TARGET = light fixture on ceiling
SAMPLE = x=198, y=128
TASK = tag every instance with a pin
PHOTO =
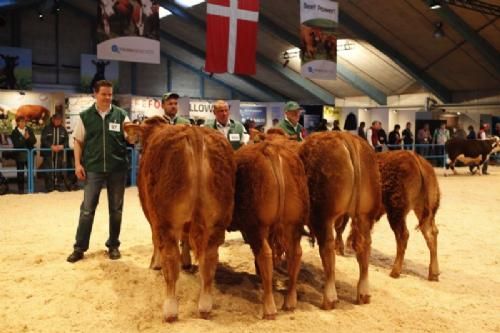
x=164, y=12
x=188, y=3
x=438, y=30
x=434, y=4
x=41, y=17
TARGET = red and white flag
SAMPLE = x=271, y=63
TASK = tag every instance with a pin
x=231, y=36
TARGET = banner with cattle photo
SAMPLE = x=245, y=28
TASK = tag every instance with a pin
x=15, y=68
x=319, y=21
x=93, y=70
x=35, y=108
x=129, y=30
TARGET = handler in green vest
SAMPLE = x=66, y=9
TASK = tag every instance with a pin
x=233, y=130
x=291, y=124
x=100, y=159
x=170, y=105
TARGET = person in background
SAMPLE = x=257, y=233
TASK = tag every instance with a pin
x=22, y=137
x=276, y=122
x=424, y=139
x=395, y=138
x=407, y=137
x=373, y=137
x=460, y=132
x=382, y=136
x=101, y=158
x=472, y=133
x=170, y=106
x=321, y=126
x=336, y=125
x=55, y=138
x=290, y=124
x=497, y=129
x=482, y=134
x=233, y=130
x=439, y=138
x=361, y=130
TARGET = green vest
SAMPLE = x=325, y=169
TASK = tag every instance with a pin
x=179, y=120
x=288, y=128
x=235, y=127
x=105, y=149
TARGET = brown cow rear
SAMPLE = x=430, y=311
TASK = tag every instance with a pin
x=343, y=179
x=271, y=208
x=186, y=185
x=409, y=183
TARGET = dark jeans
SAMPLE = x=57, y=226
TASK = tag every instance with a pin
x=115, y=184
x=20, y=166
x=53, y=161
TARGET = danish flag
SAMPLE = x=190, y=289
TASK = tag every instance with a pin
x=231, y=36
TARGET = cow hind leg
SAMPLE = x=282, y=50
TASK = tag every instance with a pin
x=397, y=220
x=170, y=258
x=339, y=230
x=186, y=255
x=293, y=254
x=265, y=263
x=361, y=242
x=430, y=232
x=208, y=264
x=155, y=258
x=326, y=244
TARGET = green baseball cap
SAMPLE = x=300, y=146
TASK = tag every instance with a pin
x=292, y=106
x=169, y=95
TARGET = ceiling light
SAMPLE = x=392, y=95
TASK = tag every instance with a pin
x=188, y=3
x=434, y=4
x=164, y=12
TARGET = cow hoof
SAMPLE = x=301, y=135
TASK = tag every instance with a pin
x=171, y=319
x=288, y=308
x=270, y=316
x=363, y=299
x=433, y=277
x=205, y=314
x=394, y=274
x=329, y=305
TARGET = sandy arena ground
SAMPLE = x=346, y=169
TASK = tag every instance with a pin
x=41, y=292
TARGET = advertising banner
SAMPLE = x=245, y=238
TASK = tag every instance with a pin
x=319, y=21
x=93, y=70
x=253, y=112
x=15, y=68
x=128, y=30
x=203, y=109
x=36, y=108
x=331, y=113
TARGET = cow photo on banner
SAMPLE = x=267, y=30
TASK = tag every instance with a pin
x=319, y=21
x=93, y=70
x=15, y=68
x=129, y=30
x=231, y=36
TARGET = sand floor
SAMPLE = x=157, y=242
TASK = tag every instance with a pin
x=41, y=292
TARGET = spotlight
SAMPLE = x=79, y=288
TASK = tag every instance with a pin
x=56, y=7
x=40, y=16
x=434, y=4
x=438, y=30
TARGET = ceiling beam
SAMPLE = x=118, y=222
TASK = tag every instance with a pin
x=322, y=94
x=487, y=51
x=347, y=75
x=419, y=75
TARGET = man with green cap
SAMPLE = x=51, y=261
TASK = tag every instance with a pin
x=291, y=124
x=170, y=106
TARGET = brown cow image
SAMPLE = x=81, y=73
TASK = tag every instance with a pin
x=408, y=183
x=186, y=186
x=271, y=208
x=343, y=179
x=32, y=112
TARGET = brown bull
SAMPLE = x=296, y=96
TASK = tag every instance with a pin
x=32, y=112
x=186, y=185
x=408, y=183
x=343, y=180
x=271, y=208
